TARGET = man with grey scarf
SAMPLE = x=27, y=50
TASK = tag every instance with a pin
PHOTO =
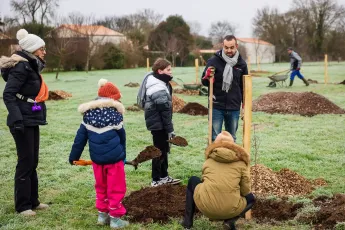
x=228, y=68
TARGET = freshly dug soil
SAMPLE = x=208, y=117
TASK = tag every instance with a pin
x=312, y=81
x=283, y=183
x=332, y=210
x=58, y=95
x=131, y=84
x=186, y=91
x=305, y=104
x=178, y=103
x=156, y=204
x=133, y=108
x=179, y=141
x=259, y=71
x=273, y=210
x=148, y=153
x=194, y=109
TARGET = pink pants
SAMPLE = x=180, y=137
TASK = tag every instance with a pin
x=110, y=188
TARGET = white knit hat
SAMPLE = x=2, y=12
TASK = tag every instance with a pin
x=29, y=42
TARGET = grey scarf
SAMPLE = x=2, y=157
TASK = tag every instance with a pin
x=228, y=74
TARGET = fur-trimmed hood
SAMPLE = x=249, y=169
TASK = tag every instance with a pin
x=227, y=152
x=102, y=103
x=9, y=62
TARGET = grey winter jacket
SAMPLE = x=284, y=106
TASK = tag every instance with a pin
x=158, y=106
x=295, y=60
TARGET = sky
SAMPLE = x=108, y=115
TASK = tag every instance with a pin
x=238, y=12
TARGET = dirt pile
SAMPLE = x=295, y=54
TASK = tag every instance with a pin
x=194, y=109
x=58, y=95
x=186, y=91
x=134, y=108
x=305, y=104
x=285, y=182
x=178, y=103
x=179, y=141
x=157, y=204
x=332, y=210
x=133, y=85
x=266, y=210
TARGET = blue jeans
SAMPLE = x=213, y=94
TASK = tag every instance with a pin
x=230, y=118
x=294, y=73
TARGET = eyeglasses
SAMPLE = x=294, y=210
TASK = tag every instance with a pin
x=43, y=49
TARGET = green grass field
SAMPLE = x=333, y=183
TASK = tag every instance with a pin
x=312, y=146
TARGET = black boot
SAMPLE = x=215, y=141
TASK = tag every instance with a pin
x=187, y=222
x=305, y=81
x=291, y=83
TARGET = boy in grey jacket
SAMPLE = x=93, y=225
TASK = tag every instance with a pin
x=155, y=96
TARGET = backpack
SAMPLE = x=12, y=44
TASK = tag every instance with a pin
x=141, y=97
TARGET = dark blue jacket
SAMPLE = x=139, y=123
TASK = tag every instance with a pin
x=102, y=127
x=233, y=98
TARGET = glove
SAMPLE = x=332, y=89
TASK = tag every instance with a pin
x=298, y=69
x=18, y=127
x=171, y=135
x=71, y=162
x=209, y=73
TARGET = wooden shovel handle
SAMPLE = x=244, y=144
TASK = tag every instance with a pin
x=210, y=110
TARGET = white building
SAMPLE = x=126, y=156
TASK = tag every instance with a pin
x=258, y=50
x=99, y=35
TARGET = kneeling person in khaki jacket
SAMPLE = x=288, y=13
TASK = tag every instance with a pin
x=224, y=192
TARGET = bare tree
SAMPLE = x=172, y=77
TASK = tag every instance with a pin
x=31, y=10
x=195, y=27
x=220, y=29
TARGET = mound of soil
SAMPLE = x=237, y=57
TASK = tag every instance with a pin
x=283, y=183
x=305, y=104
x=186, y=91
x=156, y=204
x=173, y=83
x=273, y=210
x=134, y=108
x=178, y=103
x=332, y=210
x=179, y=141
x=343, y=82
x=58, y=95
x=259, y=71
x=148, y=153
x=194, y=109
x=312, y=81
x=131, y=84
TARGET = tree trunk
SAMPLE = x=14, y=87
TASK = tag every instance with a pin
x=58, y=70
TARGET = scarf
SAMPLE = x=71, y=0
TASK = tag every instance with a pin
x=228, y=71
x=43, y=94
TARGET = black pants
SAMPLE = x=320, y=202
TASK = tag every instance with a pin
x=160, y=164
x=190, y=204
x=25, y=180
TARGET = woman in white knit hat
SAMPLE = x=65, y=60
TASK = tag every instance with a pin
x=24, y=96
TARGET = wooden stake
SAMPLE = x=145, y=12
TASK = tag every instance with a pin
x=326, y=68
x=196, y=70
x=210, y=111
x=247, y=120
x=248, y=65
x=259, y=67
x=148, y=64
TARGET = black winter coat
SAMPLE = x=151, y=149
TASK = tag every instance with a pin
x=24, y=78
x=233, y=98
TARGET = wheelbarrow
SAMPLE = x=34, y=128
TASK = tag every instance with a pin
x=191, y=86
x=279, y=79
